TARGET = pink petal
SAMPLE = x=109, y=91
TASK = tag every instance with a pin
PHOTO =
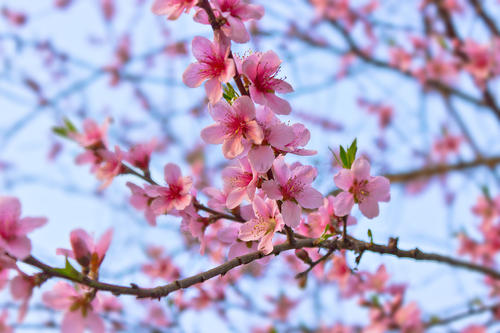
x=232, y=146
x=310, y=198
x=28, y=224
x=228, y=235
x=220, y=111
x=214, y=134
x=261, y=207
x=261, y=158
x=250, y=232
x=266, y=243
x=291, y=213
x=282, y=87
x=202, y=48
x=272, y=189
x=238, y=249
x=280, y=135
x=94, y=323
x=161, y=205
x=192, y=76
x=213, y=89
x=254, y=132
x=73, y=322
x=244, y=106
x=103, y=243
x=277, y=104
x=249, y=66
x=238, y=31
x=369, y=208
x=379, y=188
x=19, y=247
x=229, y=71
x=10, y=209
x=235, y=197
x=343, y=203
x=280, y=170
x=343, y=179
x=269, y=61
x=361, y=169
x=172, y=173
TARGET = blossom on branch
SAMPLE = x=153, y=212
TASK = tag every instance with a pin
x=267, y=221
x=292, y=185
x=213, y=65
x=175, y=196
x=261, y=69
x=235, y=126
x=359, y=187
x=172, y=8
x=14, y=229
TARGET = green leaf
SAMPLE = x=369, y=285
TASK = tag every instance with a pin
x=343, y=157
x=69, y=271
x=70, y=126
x=61, y=131
x=351, y=152
x=229, y=93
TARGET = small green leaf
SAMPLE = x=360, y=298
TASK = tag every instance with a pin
x=229, y=93
x=351, y=152
x=61, y=131
x=370, y=235
x=343, y=157
x=70, y=126
x=69, y=271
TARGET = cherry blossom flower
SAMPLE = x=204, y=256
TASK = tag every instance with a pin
x=13, y=229
x=85, y=251
x=266, y=222
x=233, y=13
x=93, y=136
x=447, y=145
x=21, y=289
x=172, y=8
x=213, y=65
x=359, y=187
x=241, y=182
x=139, y=155
x=141, y=201
x=325, y=215
x=261, y=69
x=235, y=126
x=78, y=307
x=110, y=166
x=162, y=266
x=175, y=196
x=292, y=184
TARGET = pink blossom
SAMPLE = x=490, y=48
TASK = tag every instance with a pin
x=84, y=250
x=446, y=145
x=21, y=288
x=241, y=182
x=140, y=154
x=16, y=18
x=359, y=187
x=141, y=201
x=172, y=8
x=13, y=229
x=162, y=266
x=217, y=197
x=235, y=126
x=261, y=69
x=213, y=65
x=400, y=58
x=233, y=13
x=192, y=223
x=110, y=166
x=93, y=136
x=480, y=60
x=474, y=329
x=408, y=318
x=266, y=222
x=175, y=196
x=78, y=306
x=292, y=185
x=325, y=215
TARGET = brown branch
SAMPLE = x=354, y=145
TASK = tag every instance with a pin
x=471, y=312
x=353, y=244
x=441, y=169
x=488, y=21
